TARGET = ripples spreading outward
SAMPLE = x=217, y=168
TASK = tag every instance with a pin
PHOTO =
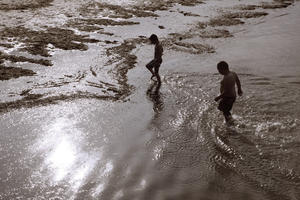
x=257, y=155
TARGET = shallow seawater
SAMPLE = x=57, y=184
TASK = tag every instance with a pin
x=164, y=141
x=251, y=159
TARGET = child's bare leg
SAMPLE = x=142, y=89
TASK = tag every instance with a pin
x=228, y=117
x=149, y=67
x=157, y=74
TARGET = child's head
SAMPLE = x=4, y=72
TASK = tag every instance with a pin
x=153, y=38
x=223, y=67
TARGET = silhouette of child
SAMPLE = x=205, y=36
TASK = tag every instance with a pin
x=227, y=90
x=156, y=62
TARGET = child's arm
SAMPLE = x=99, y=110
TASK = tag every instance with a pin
x=221, y=92
x=238, y=83
x=219, y=97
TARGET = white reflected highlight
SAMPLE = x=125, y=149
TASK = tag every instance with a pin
x=61, y=159
x=60, y=142
x=108, y=168
x=98, y=190
x=179, y=120
x=82, y=171
x=65, y=160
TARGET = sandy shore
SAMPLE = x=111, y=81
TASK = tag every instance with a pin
x=83, y=120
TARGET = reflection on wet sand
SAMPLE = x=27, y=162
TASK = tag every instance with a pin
x=154, y=95
x=65, y=159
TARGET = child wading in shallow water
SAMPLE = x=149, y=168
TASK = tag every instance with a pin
x=155, y=63
x=227, y=90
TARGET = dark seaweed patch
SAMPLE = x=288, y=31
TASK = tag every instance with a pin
x=33, y=100
x=91, y=25
x=295, y=82
x=190, y=2
x=180, y=36
x=36, y=41
x=164, y=5
x=15, y=59
x=19, y=5
x=247, y=7
x=215, y=33
x=192, y=48
x=176, y=43
x=189, y=14
x=245, y=15
x=115, y=11
x=230, y=19
x=7, y=73
x=6, y=45
x=125, y=60
x=221, y=21
x=277, y=4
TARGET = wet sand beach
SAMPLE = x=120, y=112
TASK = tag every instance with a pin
x=81, y=119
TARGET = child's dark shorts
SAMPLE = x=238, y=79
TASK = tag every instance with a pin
x=154, y=64
x=226, y=104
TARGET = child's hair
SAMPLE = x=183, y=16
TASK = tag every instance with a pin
x=223, y=66
x=153, y=38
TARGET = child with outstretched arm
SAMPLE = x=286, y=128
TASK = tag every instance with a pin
x=227, y=90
